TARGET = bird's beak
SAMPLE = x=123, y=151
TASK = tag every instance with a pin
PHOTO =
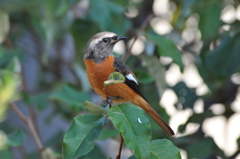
x=122, y=38
x=119, y=39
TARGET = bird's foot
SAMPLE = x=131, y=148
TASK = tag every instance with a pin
x=110, y=99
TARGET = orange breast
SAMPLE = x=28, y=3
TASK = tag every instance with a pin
x=98, y=73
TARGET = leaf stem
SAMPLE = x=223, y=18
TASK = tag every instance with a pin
x=28, y=121
x=120, y=147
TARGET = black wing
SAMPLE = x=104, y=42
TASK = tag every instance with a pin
x=123, y=69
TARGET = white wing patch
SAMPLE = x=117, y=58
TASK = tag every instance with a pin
x=130, y=77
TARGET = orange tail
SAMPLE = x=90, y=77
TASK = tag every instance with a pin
x=153, y=114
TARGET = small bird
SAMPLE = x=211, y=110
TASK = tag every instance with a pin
x=100, y=63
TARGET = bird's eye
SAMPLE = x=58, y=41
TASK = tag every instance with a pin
x=105, y=40
x=115, y=38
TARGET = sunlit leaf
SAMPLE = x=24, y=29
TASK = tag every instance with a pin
x=16, y=138
x=80, y=138
x=135, y=128
x=4, y=140
x=8, y=86
x=114, y=78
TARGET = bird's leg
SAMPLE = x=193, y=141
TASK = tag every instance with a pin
x=110, y=99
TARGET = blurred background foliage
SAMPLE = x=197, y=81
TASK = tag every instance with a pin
x=195, y=83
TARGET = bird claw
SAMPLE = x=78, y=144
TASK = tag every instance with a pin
x=110, y=99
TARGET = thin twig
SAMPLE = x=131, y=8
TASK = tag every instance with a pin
x=142, y=28
x=19, y=113
x=31, y=110
x=120, y=147
x=235, y=154
x=27, y=120
x=33, y=116
x=29, y=123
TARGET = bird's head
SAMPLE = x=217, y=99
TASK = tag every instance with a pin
x=100, y=46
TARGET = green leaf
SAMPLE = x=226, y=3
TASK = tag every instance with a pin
x=40, y=100
x=143, y=77
x=224, y=60
x=95, y=153
x=201, y=149
x=209, y=21
x=56, y=20
x=80, y=26
x=19, y=5
x=16, y=138
x=167, y=48
x=132, y=157
x=6, y=154
x=82, y=75
x=7, y=56
x=157, y=71
x=94, y=109
x=106, y=134
x=164, y=149
x=186, y=96
x=80, y=138
x=110, y=12
x=71, y=97
x=9, y=82
x=135, y=128
x=4, y=23
x=114, y=78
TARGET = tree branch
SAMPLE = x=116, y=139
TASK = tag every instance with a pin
x=29, y=123
x=142, y=28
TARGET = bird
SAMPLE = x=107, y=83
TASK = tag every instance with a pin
x=100, y=63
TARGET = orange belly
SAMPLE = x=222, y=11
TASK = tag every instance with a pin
x=98, y=73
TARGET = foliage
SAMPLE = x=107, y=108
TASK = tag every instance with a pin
x=41, y=71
